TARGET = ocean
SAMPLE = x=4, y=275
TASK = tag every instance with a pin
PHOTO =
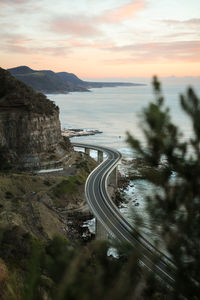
x=114, y=111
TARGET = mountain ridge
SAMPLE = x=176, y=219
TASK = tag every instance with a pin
x=48, y=81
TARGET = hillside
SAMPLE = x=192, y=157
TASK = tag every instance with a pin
x=14, y=93
x=47, y=81
x=44, y=81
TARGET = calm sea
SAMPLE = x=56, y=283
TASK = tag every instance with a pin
x=115, y=111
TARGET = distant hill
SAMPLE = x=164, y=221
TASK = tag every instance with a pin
x=47, y=81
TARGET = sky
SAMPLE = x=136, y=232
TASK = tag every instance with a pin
x=102, y=39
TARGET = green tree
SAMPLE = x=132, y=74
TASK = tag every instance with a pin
x=176, y=204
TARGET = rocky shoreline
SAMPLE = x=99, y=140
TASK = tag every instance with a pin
x=72, y=132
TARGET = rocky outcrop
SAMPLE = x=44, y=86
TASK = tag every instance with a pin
x=30, y=132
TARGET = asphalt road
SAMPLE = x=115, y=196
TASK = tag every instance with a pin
x=115, y=224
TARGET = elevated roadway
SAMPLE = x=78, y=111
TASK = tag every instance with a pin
x=115, y=224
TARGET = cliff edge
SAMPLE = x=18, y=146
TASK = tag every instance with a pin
x=30, y=132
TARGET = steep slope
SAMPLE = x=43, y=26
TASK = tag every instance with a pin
x=30, y=133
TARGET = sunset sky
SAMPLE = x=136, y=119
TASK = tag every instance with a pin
x=99, y=39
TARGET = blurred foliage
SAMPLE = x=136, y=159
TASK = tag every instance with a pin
x=176, y=205
x=58, y=270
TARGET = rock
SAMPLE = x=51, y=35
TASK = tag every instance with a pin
x=30, y=132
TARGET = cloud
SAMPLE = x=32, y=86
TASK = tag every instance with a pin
x=95, y=45
x=122, y=13
x=192, y=22
x=21, y=44
x=76, y=26
x=14, y=38
x=181, y=34
x=15, y=43
x=16, y=1
x=87, y=26
x=184, y=51
x=21, y=6
x=52, y=51
x=182, y=29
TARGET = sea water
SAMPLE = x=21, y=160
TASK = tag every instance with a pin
x=115, y=111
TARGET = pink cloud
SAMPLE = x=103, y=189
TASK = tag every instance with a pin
x=14, y=38
x=78, y=26
x=17, y=43
x=187, y=51
x=122, y=13
x=21, y=49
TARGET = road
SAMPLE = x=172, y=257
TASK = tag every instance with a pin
x=115, y=224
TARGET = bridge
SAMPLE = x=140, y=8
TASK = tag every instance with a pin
x=108, y=215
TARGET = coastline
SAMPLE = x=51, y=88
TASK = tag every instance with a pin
x=79, y=132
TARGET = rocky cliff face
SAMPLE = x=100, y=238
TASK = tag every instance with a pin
x=30, y=133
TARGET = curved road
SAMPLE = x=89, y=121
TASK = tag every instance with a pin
x=109, y=216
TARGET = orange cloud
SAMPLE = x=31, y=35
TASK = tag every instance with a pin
x=125, y=12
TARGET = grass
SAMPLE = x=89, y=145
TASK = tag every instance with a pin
x=68, y=186
x=19, y=184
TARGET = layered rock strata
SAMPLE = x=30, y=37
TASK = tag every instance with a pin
x=30, y=132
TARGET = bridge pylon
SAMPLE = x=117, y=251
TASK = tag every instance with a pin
x=100, y=232
x=87, y=151
x=100, y=156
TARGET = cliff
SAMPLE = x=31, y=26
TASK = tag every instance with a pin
x=48, y=81
x=30, y=133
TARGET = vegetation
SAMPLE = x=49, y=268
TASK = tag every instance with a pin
x=68, y=186
x=47, y=81
x=14, y=93
x=4, y=164
x=176, y=205
x=58, y=270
